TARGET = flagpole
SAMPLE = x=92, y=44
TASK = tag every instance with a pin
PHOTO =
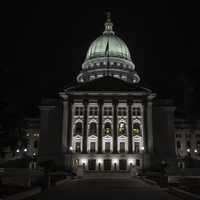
x=108, y=63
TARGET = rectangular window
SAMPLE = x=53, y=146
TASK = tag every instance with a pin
x=107, y=147
x=78, y=111
x=198, y=144
x=78, y=147
x=188, y=144
x=107, y=111
x=122, y=111
x=92, y=147
x=136, y=111
x=93, y=111
x=178, y=145
x=92, y=164
x=188, y=135
x=122, y=147
x=137, y=162
x=178, y=135
x=137, y=147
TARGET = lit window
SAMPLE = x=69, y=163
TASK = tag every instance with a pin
x=122, y=128
x=107, y=128
x=136, y=129
x=78, y=147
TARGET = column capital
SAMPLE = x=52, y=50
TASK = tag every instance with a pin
x=151, y=96
x=64, y=95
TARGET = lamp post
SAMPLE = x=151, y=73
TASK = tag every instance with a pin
x=188, y=151
x=70, y=152
x=142, y=149
x=188, y=157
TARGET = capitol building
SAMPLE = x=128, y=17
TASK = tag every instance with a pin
x=108, y=121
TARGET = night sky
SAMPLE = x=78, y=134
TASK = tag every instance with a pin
x=43, y=45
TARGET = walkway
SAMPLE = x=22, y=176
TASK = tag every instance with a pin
x=105, y=189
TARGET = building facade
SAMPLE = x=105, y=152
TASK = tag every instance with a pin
x=32, y=129
x=108, y=121
x=187, y=138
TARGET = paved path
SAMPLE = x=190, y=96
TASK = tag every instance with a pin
x=105, y=189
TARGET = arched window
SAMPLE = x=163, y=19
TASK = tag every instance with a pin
x=136, y=129
x=122, y=128
x=107, y=128
x=93, y=128
x=78, y=128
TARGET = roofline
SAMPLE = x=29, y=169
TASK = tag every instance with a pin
x=110, y=93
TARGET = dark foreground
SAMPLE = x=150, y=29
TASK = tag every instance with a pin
x=104, y=188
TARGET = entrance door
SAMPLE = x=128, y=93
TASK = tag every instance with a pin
x=122, y=164
x=107, y=164
x=92, y=164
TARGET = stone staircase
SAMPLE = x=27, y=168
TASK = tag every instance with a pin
x=105, y=174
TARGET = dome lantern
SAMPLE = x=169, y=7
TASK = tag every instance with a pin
x=108, y=25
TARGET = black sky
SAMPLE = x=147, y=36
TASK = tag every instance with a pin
x=44, y=43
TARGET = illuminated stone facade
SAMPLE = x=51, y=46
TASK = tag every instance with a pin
x=105, y=122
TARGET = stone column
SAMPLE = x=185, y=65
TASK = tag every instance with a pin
x=69, y=127
x=100, y=127
x=130, y=143
x=149, y=123
x=85, y=126
x=115, y=131
x=64, y=121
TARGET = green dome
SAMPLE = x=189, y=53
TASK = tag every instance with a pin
x=108, y=45
x=108, y=55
